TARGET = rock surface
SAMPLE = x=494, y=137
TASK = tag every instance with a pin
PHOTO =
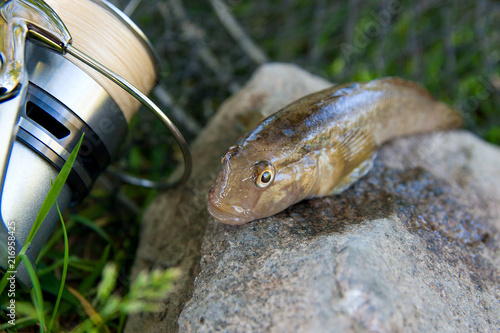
x=413, y=246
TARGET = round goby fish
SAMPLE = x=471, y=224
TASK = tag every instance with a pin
x=319, y=145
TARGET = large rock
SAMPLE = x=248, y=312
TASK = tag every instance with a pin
x=413, y=246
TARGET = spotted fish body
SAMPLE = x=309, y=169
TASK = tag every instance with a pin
x=319, y=145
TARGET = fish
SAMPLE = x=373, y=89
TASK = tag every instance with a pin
x=320, y=145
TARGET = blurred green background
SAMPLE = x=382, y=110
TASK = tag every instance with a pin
x=450, y=47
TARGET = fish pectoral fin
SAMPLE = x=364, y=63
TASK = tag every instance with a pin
x=358, y=150
x=355, y=146
x=357, y=173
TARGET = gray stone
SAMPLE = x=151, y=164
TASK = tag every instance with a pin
x=413, y=246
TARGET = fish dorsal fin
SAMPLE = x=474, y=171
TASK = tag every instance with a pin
x=338, y=91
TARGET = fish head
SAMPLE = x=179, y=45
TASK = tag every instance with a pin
x=252, y=184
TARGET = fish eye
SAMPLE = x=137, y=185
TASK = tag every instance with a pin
x=266, y=177
x=264, y=174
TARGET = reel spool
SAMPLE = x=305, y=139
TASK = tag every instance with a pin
x=96, y=90
x=108, y=36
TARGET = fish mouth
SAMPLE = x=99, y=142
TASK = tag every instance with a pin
x=223, y=215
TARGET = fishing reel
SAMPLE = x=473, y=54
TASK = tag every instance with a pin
x=54, y=88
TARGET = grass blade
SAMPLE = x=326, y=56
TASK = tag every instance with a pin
x=55, y=239
x=65, y=269
x=91, y=225
x=37, y=290
x=54, y=190
x=93, y=315
x=96, y=272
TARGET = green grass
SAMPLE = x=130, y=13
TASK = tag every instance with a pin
x=50, y=200
x=107, y=306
